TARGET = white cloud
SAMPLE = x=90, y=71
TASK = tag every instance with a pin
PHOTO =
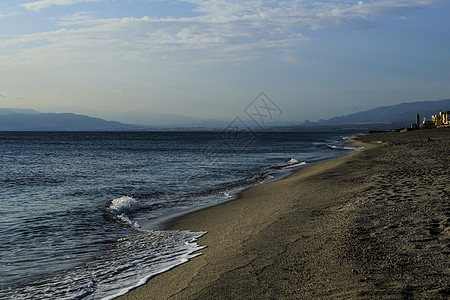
x=38, y=5
x=223, y=31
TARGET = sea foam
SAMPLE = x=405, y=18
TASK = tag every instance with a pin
x=292, y=163
x=344, y=147
x=122, y=206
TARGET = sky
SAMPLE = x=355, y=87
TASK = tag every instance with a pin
x=210, y=59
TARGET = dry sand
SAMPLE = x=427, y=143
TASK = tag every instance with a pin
x=373, y=224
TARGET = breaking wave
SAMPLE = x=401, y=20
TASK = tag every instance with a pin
x=344, y=147
x=292, y=163
x=121, y=207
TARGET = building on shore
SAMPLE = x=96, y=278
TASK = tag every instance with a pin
x=440, y=120
x=417, y=124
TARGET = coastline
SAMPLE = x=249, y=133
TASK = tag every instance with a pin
x=318, y=232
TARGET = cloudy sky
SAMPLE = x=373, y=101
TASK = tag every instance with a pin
x=209, y=59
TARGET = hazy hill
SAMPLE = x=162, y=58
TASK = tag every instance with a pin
x=57, y=122
x=400, y=113
x=10, y=111
x=146, y=117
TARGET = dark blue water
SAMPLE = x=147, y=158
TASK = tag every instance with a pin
x=81, y=214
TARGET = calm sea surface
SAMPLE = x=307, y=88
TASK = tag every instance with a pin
x=82, y=214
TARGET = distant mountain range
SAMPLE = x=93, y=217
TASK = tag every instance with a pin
x=151, y=118
x=400, y=113
x=32, y=121
x=385, y=117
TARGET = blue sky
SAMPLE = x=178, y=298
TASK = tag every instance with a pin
x=209, y=59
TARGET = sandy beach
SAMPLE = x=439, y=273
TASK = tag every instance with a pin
x=372, y=224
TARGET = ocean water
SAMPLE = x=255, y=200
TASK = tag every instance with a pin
x=82, y=214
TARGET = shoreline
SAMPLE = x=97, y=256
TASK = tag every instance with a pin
x=300, y=236
x=170, y=222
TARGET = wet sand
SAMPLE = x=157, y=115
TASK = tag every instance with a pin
x=373, y=224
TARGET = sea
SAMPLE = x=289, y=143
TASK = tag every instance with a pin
x=83, y=215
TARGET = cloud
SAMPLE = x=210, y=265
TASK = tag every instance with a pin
x=78, y=18
x=38, y=5
x=219, y=31
x=1, y=96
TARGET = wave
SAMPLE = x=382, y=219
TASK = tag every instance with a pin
x=128, y=263
x=122, y=206
x=260, y=178
x=292, y=163
x=141, y=257
x=344, y=147
x=227, y=195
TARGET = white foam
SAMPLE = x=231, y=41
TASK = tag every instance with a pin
x=149, y=262
x=293, y=163
x=125, y=219
x=341, y=147
x=227, y=194
x=129, y=263
x=123, y=205
x=119, y=207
